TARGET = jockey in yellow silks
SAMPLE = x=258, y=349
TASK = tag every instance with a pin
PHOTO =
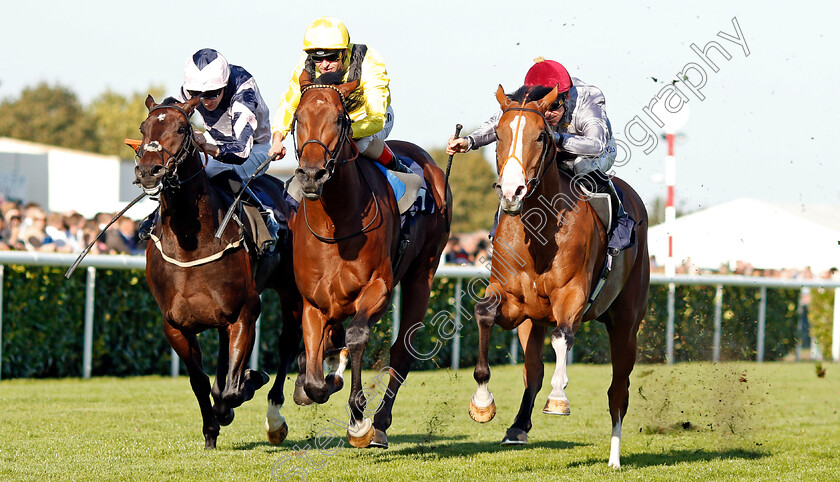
x=327, y=48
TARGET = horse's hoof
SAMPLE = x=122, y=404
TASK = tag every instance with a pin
x=300, y=397
x=482, y=414
x=226, y=419
x=209, y=442
x=334, y=383
x=380, y=439
x=362, y=441
x=257, y=378
x=515, y=436
x=557, y=407
x=277, y=437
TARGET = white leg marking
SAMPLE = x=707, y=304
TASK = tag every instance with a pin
x=560, y=379
x=273, y=419
x=482, y=397
x=359, y=429
x=342, y=363
x=615, y=446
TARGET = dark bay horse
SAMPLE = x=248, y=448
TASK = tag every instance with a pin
x=200, y=282
x=345, y=245
x=544, y=271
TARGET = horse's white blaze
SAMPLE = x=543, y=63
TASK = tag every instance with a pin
x=482, y=397
x=513, y=176
x=161, y=117
x=359, y=429
x=153, y=146
x=615, y=446
x=559, y=379
x=273, y=419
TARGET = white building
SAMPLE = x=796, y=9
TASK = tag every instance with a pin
x=767, y=235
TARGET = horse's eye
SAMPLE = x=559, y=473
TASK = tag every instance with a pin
x=182, y=129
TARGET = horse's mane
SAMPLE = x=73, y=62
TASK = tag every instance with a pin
x=352, y=102
x=529, y=94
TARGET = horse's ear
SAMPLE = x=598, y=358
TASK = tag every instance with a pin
x=544, y=103
x=502, y=98
x=304, y=79
x=150, y=102
x=347, y=88
x=191, y=104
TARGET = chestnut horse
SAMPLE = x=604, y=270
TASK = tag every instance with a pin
x=542, y=275
x=345, y=246
x=200, y=282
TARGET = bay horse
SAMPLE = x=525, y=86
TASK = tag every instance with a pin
x=200, y=282
x=345, y=245
x=543, y=271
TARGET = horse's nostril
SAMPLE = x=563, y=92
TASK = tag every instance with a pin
x=519, y=190
x=320, y=174
x=157, y=170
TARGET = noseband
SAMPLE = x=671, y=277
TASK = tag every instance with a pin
x=330, y=156
x=187, y=147
x=549, y=147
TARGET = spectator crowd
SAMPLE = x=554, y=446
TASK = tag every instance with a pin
x=29, y=227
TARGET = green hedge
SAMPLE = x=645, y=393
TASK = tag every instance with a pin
x=43, y=325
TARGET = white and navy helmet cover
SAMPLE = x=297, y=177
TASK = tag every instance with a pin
x=206, y=70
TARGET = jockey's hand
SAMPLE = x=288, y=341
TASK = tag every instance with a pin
x=457, y=144
x=277, y=149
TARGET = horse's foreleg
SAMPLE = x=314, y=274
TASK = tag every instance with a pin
x=371, y=305
x=531, y=338
x=314, y=328
x=482, y=406
x=224, y=414
x=188, y=350
x=562, y=339
x=275, y=424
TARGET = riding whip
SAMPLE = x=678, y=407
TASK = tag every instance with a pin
x=458, y=128
x=89, y=246
x=229, y=213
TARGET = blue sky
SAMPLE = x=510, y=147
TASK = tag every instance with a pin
x=762, y=131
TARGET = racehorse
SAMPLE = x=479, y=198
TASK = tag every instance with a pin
x=347, y=254
x=200, y=282
x=544, y=270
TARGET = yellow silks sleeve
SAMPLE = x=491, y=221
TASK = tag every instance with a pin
x=370, y=118
x=286, y=110
x=367, y=119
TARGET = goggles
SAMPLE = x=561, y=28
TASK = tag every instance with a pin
x=209, y=95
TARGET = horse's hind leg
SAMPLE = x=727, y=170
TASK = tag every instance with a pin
x=417, y=285
x=482, y=406
x=531, y=338
x=275, y=424
x=622, y=328
x=188, y=350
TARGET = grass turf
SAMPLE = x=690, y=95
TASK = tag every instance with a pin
x=693, y=421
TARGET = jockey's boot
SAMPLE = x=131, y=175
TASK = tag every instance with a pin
x=620, y=235
x=381, y=153
x=269, y=219
x=144, y=231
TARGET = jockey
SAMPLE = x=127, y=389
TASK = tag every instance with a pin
x=582, y=133
x=327, y=48
x=236, y=119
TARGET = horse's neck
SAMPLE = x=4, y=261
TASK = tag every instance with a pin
x=346, y=194
x=555, y=204
x=191, y=201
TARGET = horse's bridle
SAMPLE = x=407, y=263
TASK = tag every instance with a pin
x=332, y=161
x=549, y=147
x=188, y=146
x=330, y=156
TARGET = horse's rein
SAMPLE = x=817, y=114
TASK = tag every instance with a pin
x=546, y=150
x=332, y=162
x=175, y=160
x=330, y=156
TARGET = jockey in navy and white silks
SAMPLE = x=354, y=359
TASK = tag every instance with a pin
x=238, y=130
x=581, y=128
